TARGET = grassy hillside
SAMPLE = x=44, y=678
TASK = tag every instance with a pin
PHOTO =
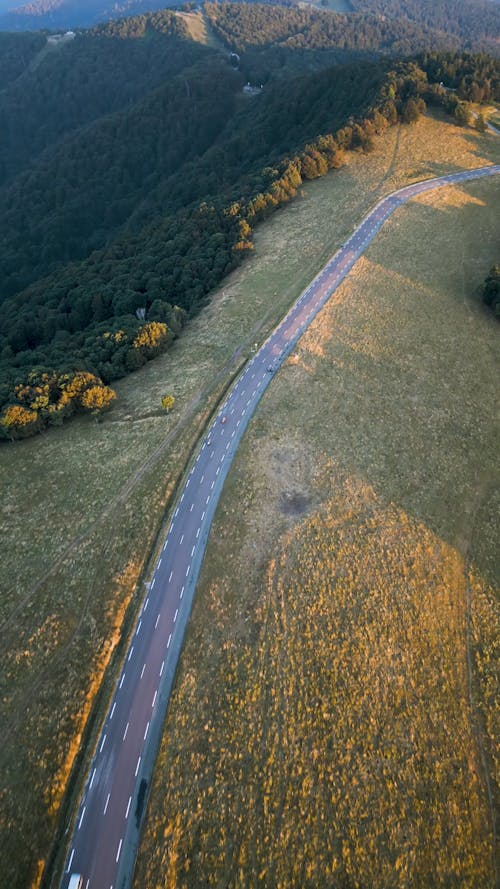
x=325, y=728
x=81, y=507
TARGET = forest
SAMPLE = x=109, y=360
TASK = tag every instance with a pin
x=475, y=22
x=140, y=174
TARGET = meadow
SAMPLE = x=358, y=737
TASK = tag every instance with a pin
x=83, y=505
x=334, y=720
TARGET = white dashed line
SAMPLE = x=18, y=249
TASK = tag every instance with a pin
x=81, y=818
x=159, y=562
x=188, y=570
x=146, y=732
x=70, y=860
x=192, y=551
x=218, y=469
x=169, y=640
x=103, y=743
x=92, y=779
x=157, y=621
x=191, y=507
x=137, y=767
x=146, y=603
x=112, y=711
x=128, y=807
x=203, y=515
x=138, y=626
x=198, y=532
x=125, y=732
x=175, y=615
x=202, y=479
x=170, y=576
x=182, y=592
x=130, y=653
x=154, y=698
x=212, y=485
x=182, y=497
x=142, y=671
x=187, y=483
x=161, y=668
x=182, y=538
x=153, y=582
x=176, y=513
x=119, y=849
x=207, y=500
x=106, y=805
x=121, y=680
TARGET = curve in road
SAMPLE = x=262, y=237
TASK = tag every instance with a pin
x=106, y=831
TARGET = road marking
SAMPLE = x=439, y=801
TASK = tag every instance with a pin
x=81, y=818
x=154, y=698
x=128, y=807
x=218, y=468
x=182, y=497
x=202, y=479
x=137, y=767
x=159, y=562
x=188, y=569
x=170, y=576
x=192, y=551
x=203, y=515
x=191, y=507
x=161, y=668
x=233, y=433
x=176, y=513
x=207, y=500
x=213, y=452
x=169, y=640
x=182, y=538
x=157, y=621
x=146, y=603
x=165, y=545
x=106, y=806
x=227, y=446
x=198, y=532
x=103, y=743
x=238, y=423
x=70, y=860
x=119, y=849
x=182, y=592
x=175, y=615
x=130, y=653
x=153, y=582
x=92, y=779
x=142, y=671
x=145, y=733
x=121, y=680
x=125, y=732
x=212, y=485
x=187, y=483
x=138, y=626
x=112, y=711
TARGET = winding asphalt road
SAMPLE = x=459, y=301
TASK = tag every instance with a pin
x=106, y=831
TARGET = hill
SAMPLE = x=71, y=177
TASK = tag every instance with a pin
x=134, y=169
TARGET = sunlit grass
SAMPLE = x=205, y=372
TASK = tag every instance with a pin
x=325, y=729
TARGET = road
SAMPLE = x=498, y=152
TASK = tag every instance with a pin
x=106, y=831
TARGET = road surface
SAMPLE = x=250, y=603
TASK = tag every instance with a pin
x=106, y=831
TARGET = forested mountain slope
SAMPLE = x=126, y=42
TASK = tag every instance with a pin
x=134, y=168
x=473, y=21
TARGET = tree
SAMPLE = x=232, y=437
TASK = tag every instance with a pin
x=462, y=114
x=480, y=123
x=98, y=399
x=168, y=402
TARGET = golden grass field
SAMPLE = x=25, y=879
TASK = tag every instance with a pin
x=335, y=719
x=82, y=506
